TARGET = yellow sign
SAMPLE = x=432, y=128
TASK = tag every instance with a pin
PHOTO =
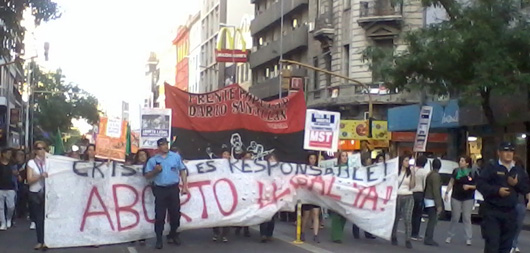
x=230, y=53
x=358, y=130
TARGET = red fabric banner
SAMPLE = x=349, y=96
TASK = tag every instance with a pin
x=234, y=108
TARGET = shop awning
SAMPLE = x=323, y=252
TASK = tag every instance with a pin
x=405, y=118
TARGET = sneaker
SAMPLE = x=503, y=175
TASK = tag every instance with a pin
x=315, y=238
x=415, y=238
x=302, y=237
x=408, y=244
x=512, y=250
x=517, y=250
x=225, y=239
x=448, y=240
x=9, y=224
x=214, y=238
x=32, y=226
x=468, y=242
x=3, y=227
x=38, y=246
x=263, y=239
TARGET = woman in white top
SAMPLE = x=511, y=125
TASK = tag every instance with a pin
x=405, y=201
x=37, y=173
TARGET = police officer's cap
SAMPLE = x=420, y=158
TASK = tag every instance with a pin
x=506, y=146
x=161, y=141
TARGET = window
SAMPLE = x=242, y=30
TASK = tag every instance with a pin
x=260, y=41
x=386, y=46
x=267, y=73
x=275, y=70
x=316, y=81
x=295, y=23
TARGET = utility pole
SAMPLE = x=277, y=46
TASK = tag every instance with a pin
x=281, y=51
x=370, y=102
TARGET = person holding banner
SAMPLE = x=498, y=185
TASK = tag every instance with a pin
x=167, y=169
x=309, y=210
x=222, y=232
x=246, y=232
x=37, y=173
x=405, y=201
x=338, y=221
x=266, y=229
x=140, y=158
x=418, y=194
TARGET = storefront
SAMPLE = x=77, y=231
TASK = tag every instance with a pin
x=354, y=136
x=443, y=137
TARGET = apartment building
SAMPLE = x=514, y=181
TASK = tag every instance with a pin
x=340, y=32
x=216, y=14
x=270, y=39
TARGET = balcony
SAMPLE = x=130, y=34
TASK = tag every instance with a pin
x=293, y=40
x=352, y=94
x=270, y=16
x=380, y=11
x=324, y=30
x=269, y=88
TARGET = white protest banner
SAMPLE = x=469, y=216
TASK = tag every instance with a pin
x=100, y=203
x=156, y=124
x=321, y=130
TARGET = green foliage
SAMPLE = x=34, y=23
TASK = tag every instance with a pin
x=57, y=103
x=11, y=14
x=482, y=49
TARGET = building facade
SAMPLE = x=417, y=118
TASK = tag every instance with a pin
x=216, y=14
x=182, y=44
x=270, y=39
x=194, y=54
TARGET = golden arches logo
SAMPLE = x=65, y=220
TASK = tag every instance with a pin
x=230, y=53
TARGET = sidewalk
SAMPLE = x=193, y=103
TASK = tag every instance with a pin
x=526, y=223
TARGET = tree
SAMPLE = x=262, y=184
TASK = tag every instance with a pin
x=57, y=103
x=11, y=15
x=482, y=49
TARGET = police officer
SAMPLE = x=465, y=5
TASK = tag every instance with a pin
x=500, y=182
x=165, y=169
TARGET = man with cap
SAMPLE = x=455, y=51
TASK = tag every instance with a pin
x=166, y=170
x=500, y=182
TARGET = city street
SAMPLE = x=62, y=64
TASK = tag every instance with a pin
x=21, y=239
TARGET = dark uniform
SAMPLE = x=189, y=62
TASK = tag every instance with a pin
x=499, y=215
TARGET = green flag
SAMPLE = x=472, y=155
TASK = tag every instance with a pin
x=58, y=143
x=128, y=143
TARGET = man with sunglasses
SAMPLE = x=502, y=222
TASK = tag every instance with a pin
x=166, y=170
x=500, y=183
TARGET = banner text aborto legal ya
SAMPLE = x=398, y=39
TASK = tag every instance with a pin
x=233, y=119
x=100, y=203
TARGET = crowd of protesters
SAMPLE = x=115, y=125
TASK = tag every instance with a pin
x=22, y=186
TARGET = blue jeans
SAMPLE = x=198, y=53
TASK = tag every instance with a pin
x=521, y=212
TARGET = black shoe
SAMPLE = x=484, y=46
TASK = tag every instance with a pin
x=315, y=238
x=408, y=244
x=247, y=232
x=159, y=244
x=177, y=240
x=431, y=243
x=394, y=241
x=302, y=237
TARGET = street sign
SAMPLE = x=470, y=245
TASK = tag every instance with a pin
x=424, y=124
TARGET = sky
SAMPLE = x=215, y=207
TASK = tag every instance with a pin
x=103, y=45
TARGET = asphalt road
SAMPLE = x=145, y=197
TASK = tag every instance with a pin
x=20, y=239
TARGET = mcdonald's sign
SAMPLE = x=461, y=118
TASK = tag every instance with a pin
x=229, y=53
